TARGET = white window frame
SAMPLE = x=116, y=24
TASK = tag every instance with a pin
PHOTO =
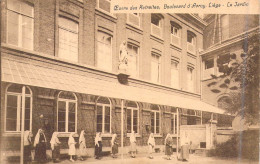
x=103, y=114
x=176, y=85
x=70, y=31
x=67, y=101
x=137, y=58
x=175, y=119
x=138, y=16
x=156, y=111
x=159, y=26
x=20, y=26
x=159, y=67
x=19, y=105
x=208, y=72
x=132, y=117
x=111, y=52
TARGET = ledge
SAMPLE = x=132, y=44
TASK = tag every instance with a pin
x=107, y=14
x=137, y=135
x=134, y=28
x=156, y=38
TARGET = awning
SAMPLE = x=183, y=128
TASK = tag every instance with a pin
x=42, y=76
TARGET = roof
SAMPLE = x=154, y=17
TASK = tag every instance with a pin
x=33, y=74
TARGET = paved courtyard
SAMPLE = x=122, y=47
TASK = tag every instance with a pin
x=160, y=158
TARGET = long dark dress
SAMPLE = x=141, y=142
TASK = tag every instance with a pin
x=115, y=148
x=27, y=156
x=56, y=152
x=168, y=146
x=40, y=150
x=98, y=149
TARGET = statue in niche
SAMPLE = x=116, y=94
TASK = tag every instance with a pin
x=123, y=57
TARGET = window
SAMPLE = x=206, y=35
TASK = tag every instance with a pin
x=190, y=79
x=134, y=19
x=13, y=115
x=20, y=24
x=175, y=34
x=67, y=112
x=191, y=42
x=224, y=27
x=174, y=123
x=68, y=39
x=155, y=68
x=104, y=51
x=174, y=73
x=132, y=117
x=156, y=25
x=222, y=63
x=103, y=115
x=133, y=59
x=208, y=68
x=155, y=119
x=104, y=5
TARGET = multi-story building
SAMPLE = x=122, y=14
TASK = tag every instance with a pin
x=60, y=64
x=225, y=35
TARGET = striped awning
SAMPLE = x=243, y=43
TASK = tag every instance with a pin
x=43, y=76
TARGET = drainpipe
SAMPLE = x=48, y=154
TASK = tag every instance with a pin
x=22, y=130
x=122, y=127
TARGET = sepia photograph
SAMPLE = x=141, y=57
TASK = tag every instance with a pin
x=82, y=84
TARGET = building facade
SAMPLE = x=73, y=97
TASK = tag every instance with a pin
x=224, y=36
x=60, y=62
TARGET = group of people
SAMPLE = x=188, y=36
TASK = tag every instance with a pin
x=184, y=155
x=40, y=144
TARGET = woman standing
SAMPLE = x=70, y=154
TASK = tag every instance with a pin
x=185, y=141
x=27, y=147
x=40, y=146
x=168, y=146
x=114, y=146
x=55, y=147
x=82, y=145
x=72, y=148
x=151, y=145
x=98, y=145
x=133, y=144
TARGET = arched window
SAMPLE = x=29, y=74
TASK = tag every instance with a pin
x=155, y=119
x=67, y=112
x=103, y=115
x=132, y=112
x=13, y=115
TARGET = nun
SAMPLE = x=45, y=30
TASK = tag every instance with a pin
x=72, y=147
x=185, y=141
x=27, y=146
x=55, y=147
x=98, y=145
x=151, y=145
x=82, y=145
x=114, y=146
x=168, y=146
x=40, y=146
x=133, y=144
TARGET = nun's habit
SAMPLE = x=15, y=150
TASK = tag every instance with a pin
x=72, y=143
x=55, y=146
x=40, y=146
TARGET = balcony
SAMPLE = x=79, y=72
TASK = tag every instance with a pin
x=175, y=40
x=191, y=48
x=156, y=30
x=134, y=19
